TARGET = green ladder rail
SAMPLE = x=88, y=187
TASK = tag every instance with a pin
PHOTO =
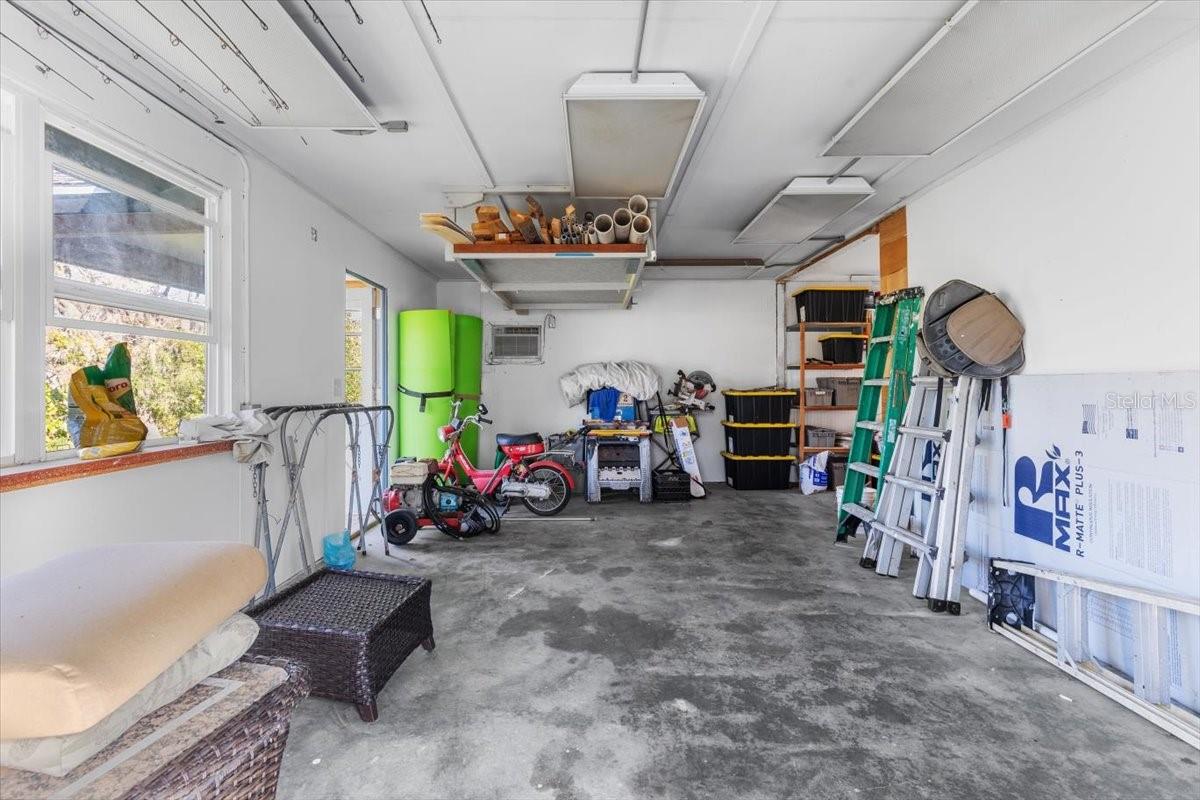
x=894, y=334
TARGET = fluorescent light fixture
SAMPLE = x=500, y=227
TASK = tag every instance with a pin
x=805, y=206
x=987, y=56
x=627, y=138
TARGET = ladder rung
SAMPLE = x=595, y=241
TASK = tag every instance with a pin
x=869, y=425
x=927, y=380
x=922, y=432
x=875, y=382
x=862, y=512
x=882, y=339
x=865, y=469
x=924, y=487
x=899, y=534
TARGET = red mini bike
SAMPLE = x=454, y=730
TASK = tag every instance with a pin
x=543, y=485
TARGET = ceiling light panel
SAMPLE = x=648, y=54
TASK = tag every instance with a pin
x=295, y=87
x=986, y=56
x=805, y=206
x=627, y=138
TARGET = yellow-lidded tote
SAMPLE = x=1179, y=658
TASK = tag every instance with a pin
x=843, y=348
x=831, y=303
x=765, y=404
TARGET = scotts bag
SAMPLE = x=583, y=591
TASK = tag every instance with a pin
x=101, y=415
x=813, y=476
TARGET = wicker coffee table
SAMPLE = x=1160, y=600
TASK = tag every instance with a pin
x=351, y=629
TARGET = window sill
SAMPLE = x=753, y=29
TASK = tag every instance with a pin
x=30, y=475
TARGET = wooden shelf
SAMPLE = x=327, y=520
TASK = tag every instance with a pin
x=835, y=450
x=525, y=277
x=807, y=367
x=495, y=250
x=811, y=409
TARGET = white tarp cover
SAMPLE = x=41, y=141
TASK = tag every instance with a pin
x=1102, y=480
x=635, y=377
x=250, y=429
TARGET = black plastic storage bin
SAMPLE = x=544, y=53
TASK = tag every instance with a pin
x=758, y=438
x=768, y=404
x=831, y=303
x=843, y=348
x=758, y=472
x=672, y=485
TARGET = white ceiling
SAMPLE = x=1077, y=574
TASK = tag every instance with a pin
x=484, y=106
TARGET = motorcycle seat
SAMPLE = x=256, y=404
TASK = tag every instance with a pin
x=506, y=439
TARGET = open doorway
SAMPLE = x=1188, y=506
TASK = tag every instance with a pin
x=365, y=368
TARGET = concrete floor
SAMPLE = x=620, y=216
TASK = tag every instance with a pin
x=723, y=648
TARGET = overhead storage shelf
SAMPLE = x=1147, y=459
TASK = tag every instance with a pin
x=550, y=277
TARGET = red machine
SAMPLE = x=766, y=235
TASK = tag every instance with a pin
x=543, y=485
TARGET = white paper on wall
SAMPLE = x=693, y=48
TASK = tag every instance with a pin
x=1103, y=480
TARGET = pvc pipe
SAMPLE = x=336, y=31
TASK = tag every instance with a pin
x=622, y=219
x=606, y=231
x=640, y=230
x=638, y=204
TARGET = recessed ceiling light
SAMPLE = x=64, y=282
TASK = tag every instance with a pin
x=628, y=138
x=803, y=207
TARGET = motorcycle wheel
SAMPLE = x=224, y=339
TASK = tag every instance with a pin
x=400, y=526
x=560, y=492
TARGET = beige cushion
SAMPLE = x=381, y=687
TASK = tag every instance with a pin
x=84, y=633
x=58, y=755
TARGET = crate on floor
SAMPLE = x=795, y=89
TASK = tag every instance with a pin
x=767, y=404
x=818, y=397
x=838, y=303
x=843, y=348
x=758, y=472
x=758, y=438
x=836, y=467
x=816, y=436
x=672, y=485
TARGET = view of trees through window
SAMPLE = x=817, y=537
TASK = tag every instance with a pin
x=354, y=356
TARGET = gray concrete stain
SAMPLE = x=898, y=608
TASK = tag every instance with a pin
x=751, y=659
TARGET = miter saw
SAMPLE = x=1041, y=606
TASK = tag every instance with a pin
x=691, y=389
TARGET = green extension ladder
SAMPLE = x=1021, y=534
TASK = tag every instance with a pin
x=893, y=333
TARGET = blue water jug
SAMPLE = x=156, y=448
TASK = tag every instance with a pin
x=339, y=553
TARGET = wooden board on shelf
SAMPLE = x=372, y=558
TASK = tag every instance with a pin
x=498, y=249
x=811, y=409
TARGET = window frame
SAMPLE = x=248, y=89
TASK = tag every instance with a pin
x=35, y=286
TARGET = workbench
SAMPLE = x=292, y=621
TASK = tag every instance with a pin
x=599, y=478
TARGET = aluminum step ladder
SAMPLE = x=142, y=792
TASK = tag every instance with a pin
x=892, y=344
x=927, y=514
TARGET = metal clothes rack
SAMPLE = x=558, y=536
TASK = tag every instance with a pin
x=295, y=456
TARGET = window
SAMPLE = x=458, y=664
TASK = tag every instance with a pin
x=110, y=251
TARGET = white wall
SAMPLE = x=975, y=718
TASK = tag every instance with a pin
x=726, y=328
x=1088, y=227
x=288, y=296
